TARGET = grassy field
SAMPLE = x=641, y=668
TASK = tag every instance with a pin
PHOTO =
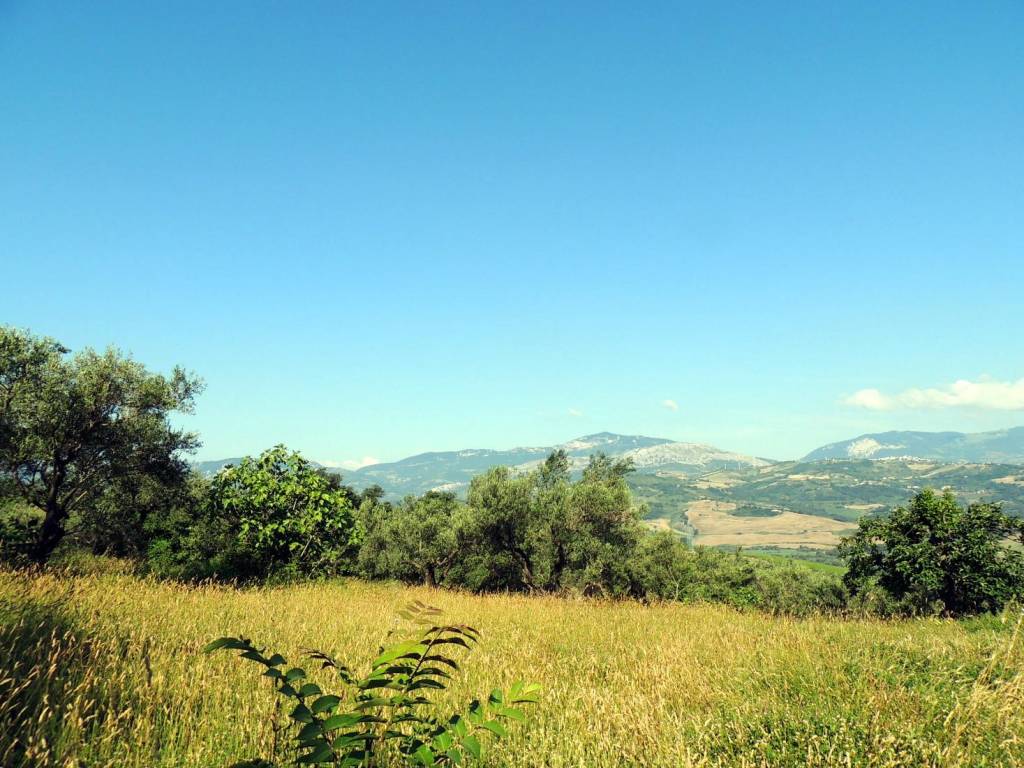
x=105, y=670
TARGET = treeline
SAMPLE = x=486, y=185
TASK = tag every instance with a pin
x=90, y=460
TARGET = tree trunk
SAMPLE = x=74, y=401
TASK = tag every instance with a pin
x=50, y=533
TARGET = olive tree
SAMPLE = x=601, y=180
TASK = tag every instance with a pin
x=417, y=540
x=70, y=425
x=543, y=531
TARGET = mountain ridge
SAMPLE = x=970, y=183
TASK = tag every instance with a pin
x=452, y=470
x=1003, y=446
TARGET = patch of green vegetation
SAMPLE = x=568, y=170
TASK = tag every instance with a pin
x=753, y=510
x=817, y=560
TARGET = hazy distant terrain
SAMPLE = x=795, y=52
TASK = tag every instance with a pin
x=1005, y=446
x=722, y=498
x=777, y=506
x=452, y=470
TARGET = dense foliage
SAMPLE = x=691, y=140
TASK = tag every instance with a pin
x=270, y=516
x=935, y=555
x=74, y=426
x=543, y=531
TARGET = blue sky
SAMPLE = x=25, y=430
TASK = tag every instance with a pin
x=377, y=229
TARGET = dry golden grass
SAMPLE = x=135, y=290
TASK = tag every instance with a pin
x=105, y=670
x=716, y=527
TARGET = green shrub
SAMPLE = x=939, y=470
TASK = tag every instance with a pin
x=935, y=556
x=272, y=517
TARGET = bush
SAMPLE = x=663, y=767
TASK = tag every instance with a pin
x=935, y=556
x=19, y=530
x=272, y=517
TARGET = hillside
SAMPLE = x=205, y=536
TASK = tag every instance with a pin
x=1005, y=446
x=452, y=470
x=797, y=504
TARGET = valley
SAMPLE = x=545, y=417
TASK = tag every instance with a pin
x=720, y=498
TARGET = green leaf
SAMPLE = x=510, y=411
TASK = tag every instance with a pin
x=301, y=714
x=309, y=689
x=441, y=660
x=337, y=722
x=511, y=713
x=425, y=756
x=426, y=683
x=224, y=642
x=324, y=704
x=323, y=753
x=522, y=693
x=472, y=745
x=432, y=672
x=495, y=727
x=295, y=673
x=402, y=650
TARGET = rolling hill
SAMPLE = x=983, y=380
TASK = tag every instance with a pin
x=809, y=504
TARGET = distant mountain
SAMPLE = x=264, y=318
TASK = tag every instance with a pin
x=452, y=470
x=211, y=468
x=1005, y=446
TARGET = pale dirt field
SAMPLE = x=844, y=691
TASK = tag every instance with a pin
x=715, y=527
x=1010, y=480
x=658, y=524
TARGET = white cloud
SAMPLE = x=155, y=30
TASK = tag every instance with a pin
x=575, y=412
x=983, y=393
x=869, y=398
x=366, y=461
x=672, y=405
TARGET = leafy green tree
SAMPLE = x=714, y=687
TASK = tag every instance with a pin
x=278, y=513
x=417, y=540
x=70, y=425
x=134, y=512
x=936, y=555
x=542, y=531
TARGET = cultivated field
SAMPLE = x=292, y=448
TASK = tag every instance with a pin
x=716, y=526
x=105, y=670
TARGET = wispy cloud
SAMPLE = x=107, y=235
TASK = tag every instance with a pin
x=575, y=412
x=983, y=393
x=672, y=405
